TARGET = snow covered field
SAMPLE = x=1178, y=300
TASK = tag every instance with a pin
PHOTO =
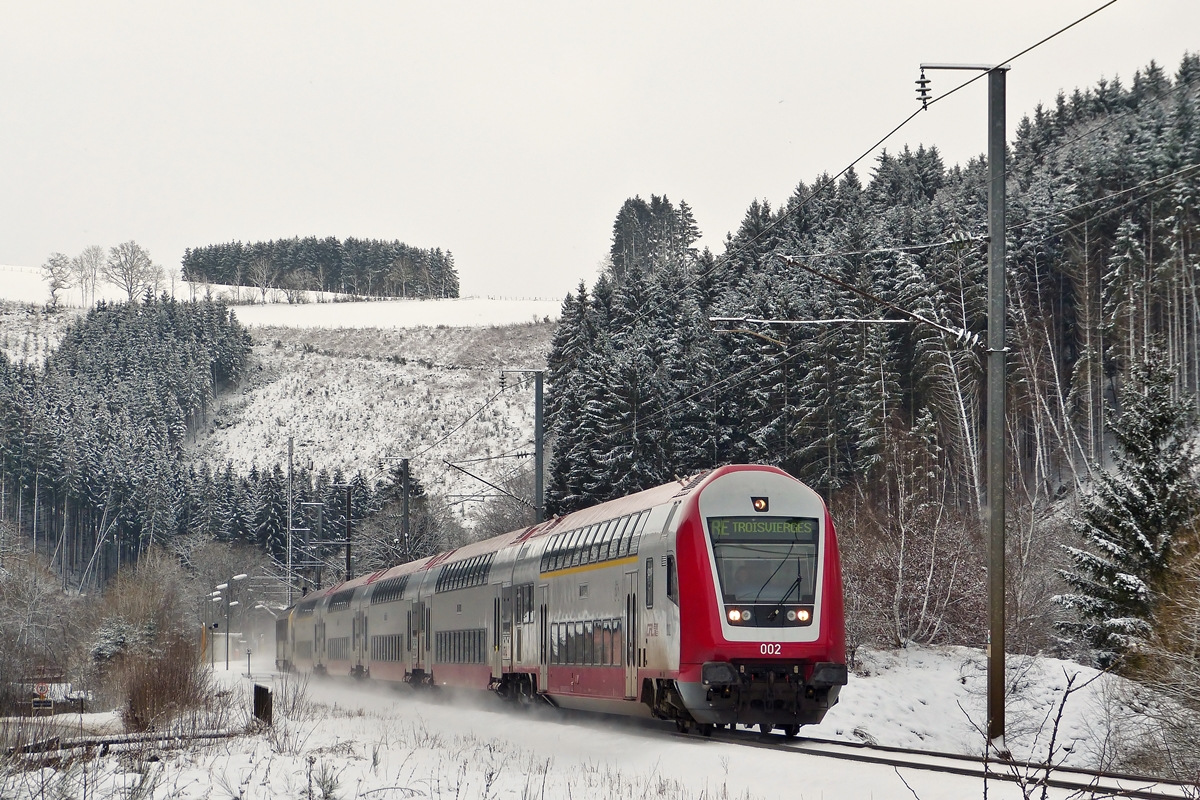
x=28, y=285
x=457, y=313
x=349, y=397
x=360, y=741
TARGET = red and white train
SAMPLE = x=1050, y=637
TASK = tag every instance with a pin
x=710, y=601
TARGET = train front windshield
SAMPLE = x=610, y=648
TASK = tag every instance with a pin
x=766, y=559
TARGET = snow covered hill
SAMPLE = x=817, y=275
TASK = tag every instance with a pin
x=349, y=397
x=353, y=382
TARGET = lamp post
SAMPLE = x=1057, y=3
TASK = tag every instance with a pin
x=215, y=597
x=229, y=603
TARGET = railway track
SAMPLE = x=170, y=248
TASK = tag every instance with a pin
x=1088, y=783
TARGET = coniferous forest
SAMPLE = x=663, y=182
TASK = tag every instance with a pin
x=93, y=467
x=886, y=419
x=370, y=267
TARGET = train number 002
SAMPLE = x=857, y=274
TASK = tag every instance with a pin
x=770, y=649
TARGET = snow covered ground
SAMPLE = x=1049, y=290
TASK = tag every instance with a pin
x=29, y=285
x=361, y=741
x=349, y=397
x=459, y=312
x=355, y=382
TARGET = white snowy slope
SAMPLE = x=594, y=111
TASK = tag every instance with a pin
x=350, y=397
x=366, y=741
x=933, y=698
x=457, y=312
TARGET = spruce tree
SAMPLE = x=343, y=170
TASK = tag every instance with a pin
x=1132, y=518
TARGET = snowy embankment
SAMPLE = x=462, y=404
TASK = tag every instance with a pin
x=350, y=397
x=362, y=741
x=466, y=312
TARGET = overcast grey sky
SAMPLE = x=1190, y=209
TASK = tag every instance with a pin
x=509, y=133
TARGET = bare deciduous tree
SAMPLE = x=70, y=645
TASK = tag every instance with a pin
x=129, y=268
x=263, y=273
x=57, y=270
x=86, y=268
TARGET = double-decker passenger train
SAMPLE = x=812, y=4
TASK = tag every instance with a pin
x=710, y=601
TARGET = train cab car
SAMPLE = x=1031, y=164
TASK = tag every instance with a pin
x=759, y=584
x=710, y=601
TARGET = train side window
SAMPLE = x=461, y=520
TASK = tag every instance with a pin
x=672, y=580
x=649, y=583
x=618, y=644
x=563, y=557
x=606, y=644
x=623, y=543
x=572, y=642
x=599, y=542
x=579, y=551
x=589, y=649
x=553, y=553
x=607, y=550
x=637, y=531
x=569, y=555
x=585, y=545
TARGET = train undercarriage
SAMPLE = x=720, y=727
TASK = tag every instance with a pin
x=767, y=694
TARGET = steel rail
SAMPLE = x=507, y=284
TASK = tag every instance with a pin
x=1107, y=784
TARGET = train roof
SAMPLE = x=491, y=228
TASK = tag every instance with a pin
x=619, y=507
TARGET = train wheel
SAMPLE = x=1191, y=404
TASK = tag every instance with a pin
x=683, y=726
x=765, y=727
x=790, y=731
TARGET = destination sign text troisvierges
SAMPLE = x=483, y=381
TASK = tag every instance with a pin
x=796, y=529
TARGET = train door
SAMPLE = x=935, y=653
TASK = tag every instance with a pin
x=410, y=652
x=496, y=660
x=631, y=635
x=416, y=639
x=543, y=635
x=506, y=627
x=356, y=638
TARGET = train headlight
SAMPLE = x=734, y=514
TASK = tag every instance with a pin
x=735, y=615
x=745, y=615
x=803, y=615
x=791, y=616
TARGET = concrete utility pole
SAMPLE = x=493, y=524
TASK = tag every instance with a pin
x=996, y=386
x=404, y=509
x=997, y=383
x=349, y=487
x=539, y=442
x=539, y=452
x=312, y=553
x=290, y=578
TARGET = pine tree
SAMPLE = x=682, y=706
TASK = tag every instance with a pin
x=1133, y=517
